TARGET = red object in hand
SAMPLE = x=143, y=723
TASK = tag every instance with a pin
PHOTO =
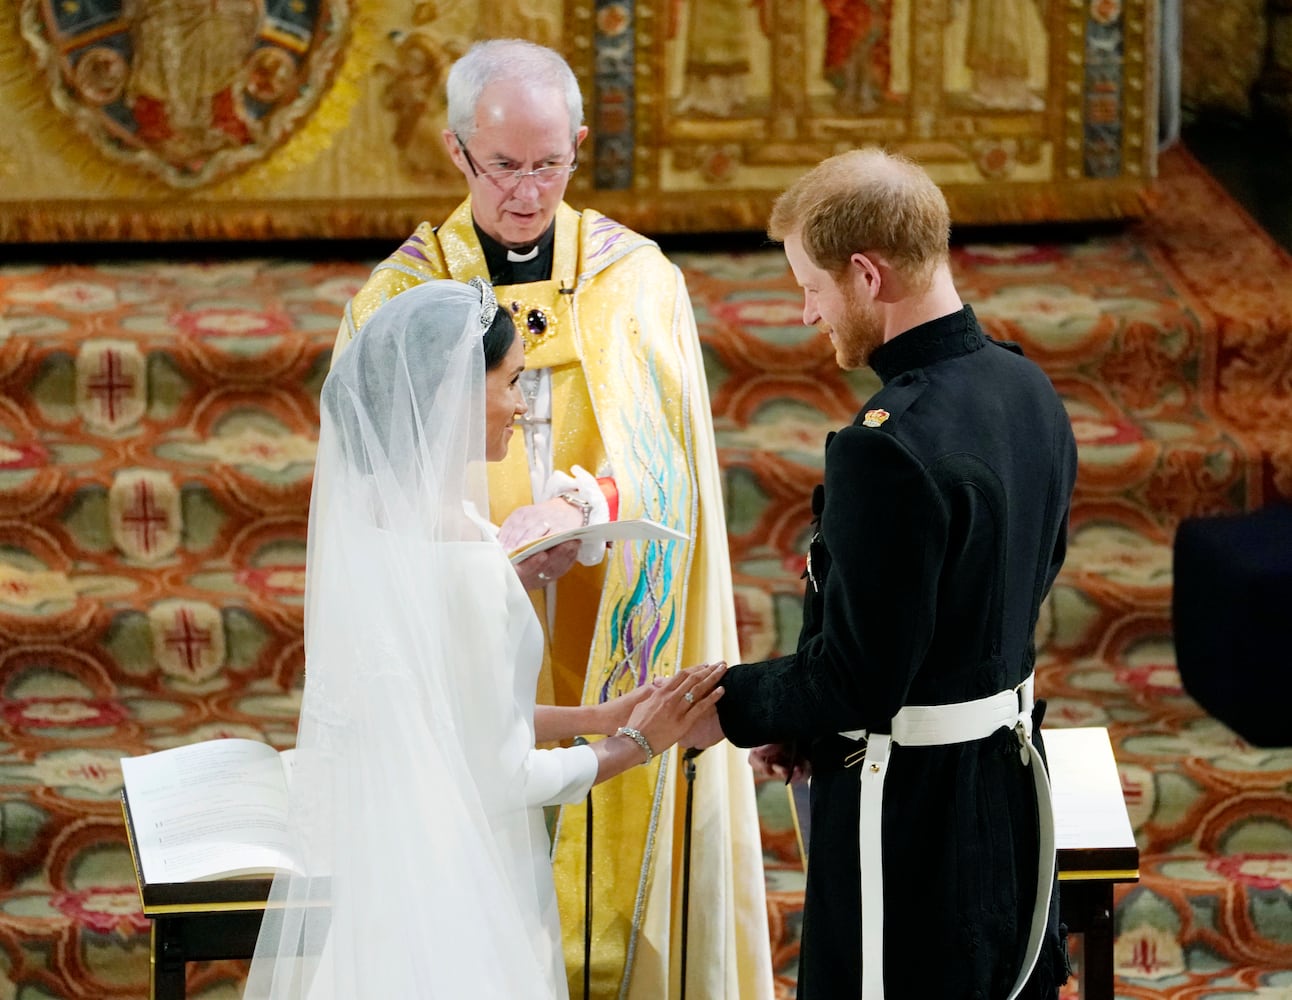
x=611, y=493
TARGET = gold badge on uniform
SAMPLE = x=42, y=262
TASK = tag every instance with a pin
x=874, y=418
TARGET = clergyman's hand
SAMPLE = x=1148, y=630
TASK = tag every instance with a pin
x=542, y=568
x=524, y=524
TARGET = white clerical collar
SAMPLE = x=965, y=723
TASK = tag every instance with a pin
x=520, y=258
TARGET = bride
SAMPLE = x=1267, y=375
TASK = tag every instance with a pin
x=417, y=790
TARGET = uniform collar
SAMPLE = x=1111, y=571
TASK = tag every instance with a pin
x=937, y=340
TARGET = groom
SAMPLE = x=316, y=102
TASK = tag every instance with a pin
x=940, y=527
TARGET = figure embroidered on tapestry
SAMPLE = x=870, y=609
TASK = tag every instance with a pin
x=187, y=91
x=1002, y=52
x=789, y=82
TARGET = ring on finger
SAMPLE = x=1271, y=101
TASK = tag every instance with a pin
x=688, y=697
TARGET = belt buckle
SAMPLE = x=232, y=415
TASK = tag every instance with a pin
x=1021, y=726
x=857, y=756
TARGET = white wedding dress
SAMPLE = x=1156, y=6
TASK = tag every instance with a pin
x=545, y=777
x=417, y=792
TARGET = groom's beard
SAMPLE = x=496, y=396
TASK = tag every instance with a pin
x=858, y=333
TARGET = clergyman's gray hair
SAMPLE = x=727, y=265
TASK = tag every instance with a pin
x=508, y=58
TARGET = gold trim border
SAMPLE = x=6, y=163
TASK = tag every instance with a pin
x=1121, y=198
x=1101, y=875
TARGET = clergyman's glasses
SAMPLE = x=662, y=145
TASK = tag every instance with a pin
x=509, y=180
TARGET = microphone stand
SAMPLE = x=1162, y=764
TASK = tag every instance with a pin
x=688, y=772
x=587, y=891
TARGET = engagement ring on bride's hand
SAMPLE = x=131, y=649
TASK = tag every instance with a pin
x=688, y=697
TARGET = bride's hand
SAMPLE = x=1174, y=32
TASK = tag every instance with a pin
x=616, y=712
x=668, y=712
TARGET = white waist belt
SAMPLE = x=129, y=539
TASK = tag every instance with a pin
x=944, y=725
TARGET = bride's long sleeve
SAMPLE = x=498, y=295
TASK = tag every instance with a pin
x=560, y=775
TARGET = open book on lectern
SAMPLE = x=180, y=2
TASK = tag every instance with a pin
x=211, y=810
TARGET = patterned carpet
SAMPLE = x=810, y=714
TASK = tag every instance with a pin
x=156, y=437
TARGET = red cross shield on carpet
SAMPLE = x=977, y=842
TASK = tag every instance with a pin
x=111, y=384
x=188, y=639
x=144, y=514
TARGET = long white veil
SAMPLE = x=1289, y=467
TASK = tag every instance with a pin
x=398, y=788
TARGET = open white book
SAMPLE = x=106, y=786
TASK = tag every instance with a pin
x=210, y=810
x=630, y=529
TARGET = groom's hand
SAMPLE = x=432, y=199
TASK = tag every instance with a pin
x=704, y=733
x=776, y=760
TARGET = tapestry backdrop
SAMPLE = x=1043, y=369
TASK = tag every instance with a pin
x=174, y=119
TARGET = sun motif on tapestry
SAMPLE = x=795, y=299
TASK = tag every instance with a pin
x=187, y=91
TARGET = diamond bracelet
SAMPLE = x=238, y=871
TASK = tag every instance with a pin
x=638, y=737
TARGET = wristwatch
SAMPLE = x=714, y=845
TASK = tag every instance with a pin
x=574, y=500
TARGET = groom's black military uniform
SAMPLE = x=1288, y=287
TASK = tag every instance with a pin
x=941, y=526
